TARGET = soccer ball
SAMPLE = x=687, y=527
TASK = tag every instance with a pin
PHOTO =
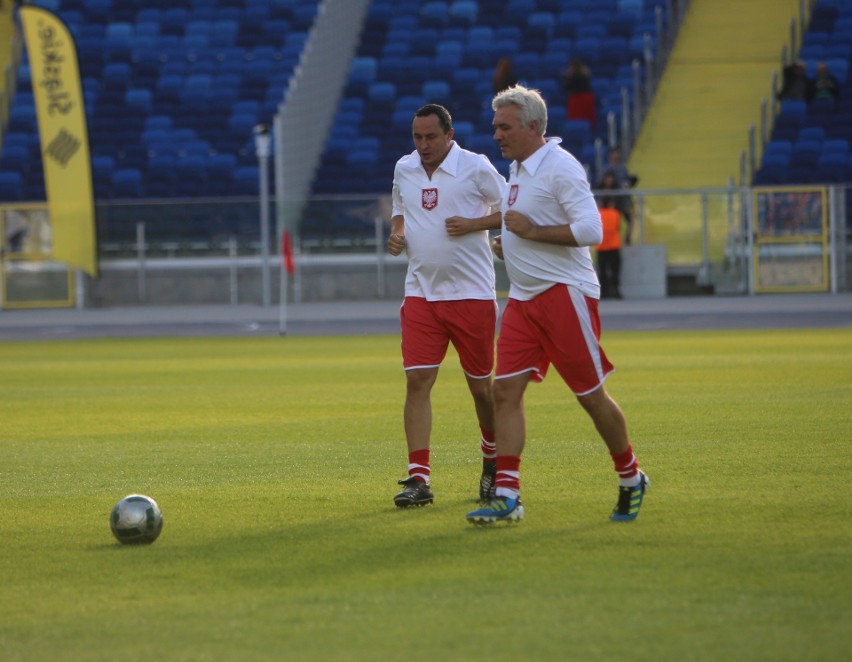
x=136, y=520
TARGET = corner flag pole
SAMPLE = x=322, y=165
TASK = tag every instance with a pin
x=288, y=266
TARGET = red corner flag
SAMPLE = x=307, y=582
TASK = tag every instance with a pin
x=287, y=252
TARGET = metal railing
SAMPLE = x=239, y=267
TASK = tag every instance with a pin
x=623, y=127
x=758, y=136
x=184, y=249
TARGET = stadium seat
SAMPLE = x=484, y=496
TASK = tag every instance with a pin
x=127, y=183
x=588, y=49
x=247, y=180
x=835, y=146
x=831, y=167
x=381, y=92
x=191, y=172
x=14, y=157
x=528, y=66
x=436, y=90
x=464, y=12
x=11, y=186
x=540, y=26
x=633, y=7
x=160, y=176
x=22, y=118
x=448, y=58
x=517, y=8
x=102, y=169
x=806, y=153
x=434, y=14
x=778, y=148
x=811, y=133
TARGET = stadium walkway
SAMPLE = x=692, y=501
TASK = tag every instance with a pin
x=381, y=317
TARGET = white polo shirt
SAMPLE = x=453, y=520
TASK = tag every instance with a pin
x=441, y=267
x=551, y=188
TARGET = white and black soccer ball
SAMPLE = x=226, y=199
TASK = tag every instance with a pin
x=136, y=520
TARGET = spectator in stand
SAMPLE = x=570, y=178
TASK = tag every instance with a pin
x=609, y=250
x=616, y=176
x=577, y=83
x=824, y=86
x=795, y=84
x=616, y=166
x=622, y=203
x=504, y=75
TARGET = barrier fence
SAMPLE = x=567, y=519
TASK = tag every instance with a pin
x=727, y=241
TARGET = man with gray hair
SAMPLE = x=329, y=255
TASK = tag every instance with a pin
x=550, y=220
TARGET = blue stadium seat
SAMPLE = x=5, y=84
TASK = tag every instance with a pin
x=806, y=153
x=191, y=171
x=527, y=66
x=381, y=92
x=567, y=22
x=174, y=20
x=15, y=157
x=223, y=33
x=11, y=186
x=633, y=7
x=588, y=49
x=102, y=169
x=811, y=133
x=127, y=183
x=464, y=12
x=448, y=58
x=98, y=11
x=160, y=176
x=139, y=100
x=773, y=170
x=436, y=91
x=831, y=168
x=220, y=175
x=22, y=118
x=516, y=8
x=575, y=132
x=246, y=180
x=779, y=148
x=434, y=14
x=835, y=145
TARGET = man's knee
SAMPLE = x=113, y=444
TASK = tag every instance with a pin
x=418, y=380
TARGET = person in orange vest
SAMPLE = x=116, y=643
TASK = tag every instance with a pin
x=609, y=250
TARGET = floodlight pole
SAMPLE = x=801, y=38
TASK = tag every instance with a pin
x=262, y=148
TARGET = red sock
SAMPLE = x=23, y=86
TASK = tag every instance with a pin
x=488, y=446
x=418, y=465
x=626, y=466
x=508, y=481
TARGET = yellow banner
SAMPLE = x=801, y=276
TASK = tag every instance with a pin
x=64, y=137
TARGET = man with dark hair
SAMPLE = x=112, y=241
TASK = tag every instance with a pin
x=445, y=200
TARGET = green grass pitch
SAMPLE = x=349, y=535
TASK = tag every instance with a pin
x=275, y=462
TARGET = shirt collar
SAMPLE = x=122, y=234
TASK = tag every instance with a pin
x=533, y=161
x=450, y=164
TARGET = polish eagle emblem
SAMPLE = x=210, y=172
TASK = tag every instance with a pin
x=430, y=198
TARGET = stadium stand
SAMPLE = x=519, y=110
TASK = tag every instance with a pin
x=172, y=87
x=416, y=45
x=809, y=142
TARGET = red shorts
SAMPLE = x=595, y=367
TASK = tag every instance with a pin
x=429, y=326
x=560, y=326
